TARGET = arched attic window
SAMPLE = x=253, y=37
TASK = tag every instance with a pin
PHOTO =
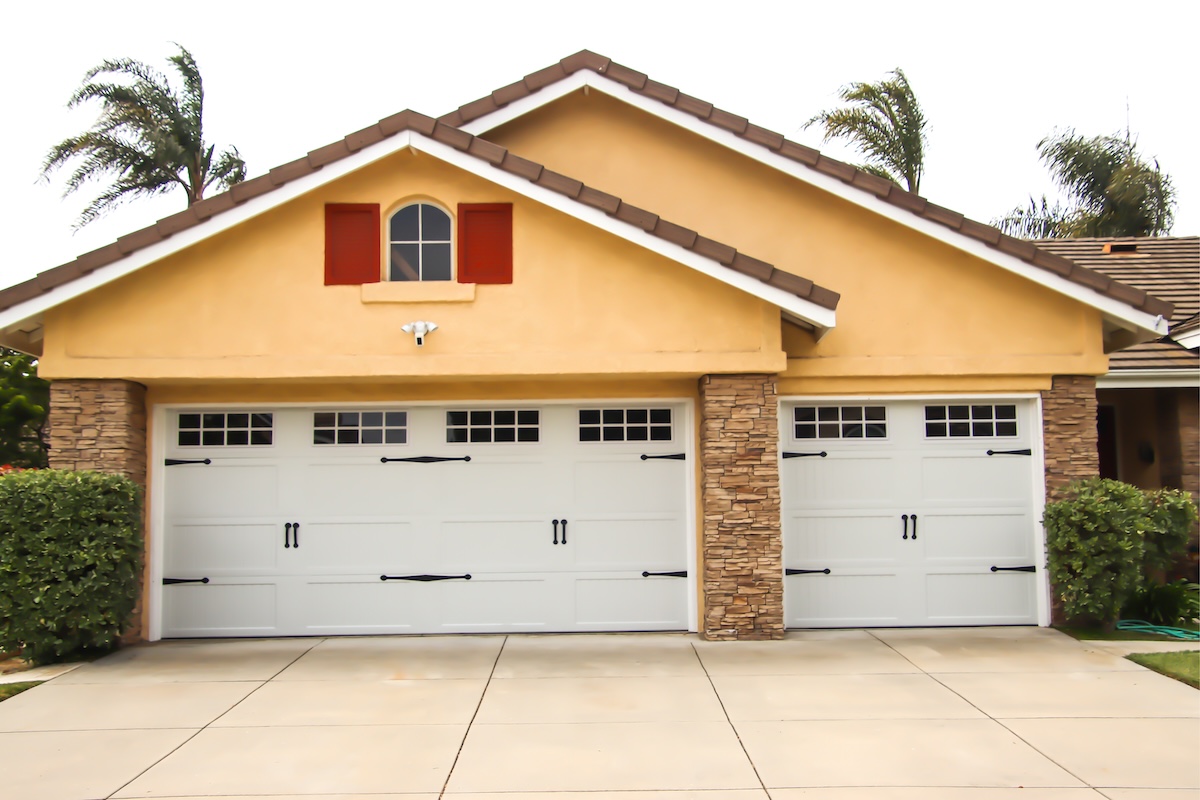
x=419, y=244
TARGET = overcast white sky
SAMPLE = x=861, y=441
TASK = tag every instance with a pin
x=284, y=78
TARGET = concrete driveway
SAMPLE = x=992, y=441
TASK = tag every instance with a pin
x=979, y=714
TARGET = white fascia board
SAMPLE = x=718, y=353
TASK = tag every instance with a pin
x=1150, y=379
x=1190, y=340
x=205, y=230
x=819, y=317
x=1119, y=313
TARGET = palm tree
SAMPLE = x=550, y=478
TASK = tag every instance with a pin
x=887, y=124
x=1112, y=191
x=149, y=137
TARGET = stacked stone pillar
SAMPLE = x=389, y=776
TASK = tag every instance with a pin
x=742, y=543
x=1069, y=431
x=100, y=425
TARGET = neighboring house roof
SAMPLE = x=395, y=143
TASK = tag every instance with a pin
x=809, y=304
x=1168, y=267
x=518, y=98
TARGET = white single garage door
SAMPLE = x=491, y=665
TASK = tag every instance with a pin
x=909, y=513
x=420, y=519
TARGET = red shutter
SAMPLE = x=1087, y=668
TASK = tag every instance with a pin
x=351, y=243
x=485, y=243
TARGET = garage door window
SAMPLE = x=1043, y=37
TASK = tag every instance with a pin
x=840, y=422
x=360, y=427
x=970, y=421
x=625, y=425
x=226, y=429
x=492, y=425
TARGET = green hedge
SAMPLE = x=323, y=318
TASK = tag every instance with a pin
x=1105, y=539
x=70, y=561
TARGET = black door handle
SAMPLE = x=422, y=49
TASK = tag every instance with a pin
x=1026, y=452
x=555, y=532
x=806, y=571
x=425, y=578
x=296, y=535
x=287, y=534
x=904, y=517
x=174, y=462
x=821, y=454
x=1030, y=568
x=678, y=574
x=564, y=541
x=914, y=519
x=172, y=581
x=669, y=457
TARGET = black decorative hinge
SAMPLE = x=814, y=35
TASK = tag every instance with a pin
x=425, y=578
x=425, y=459
x=670, y=457
x=821, y=454
x=1025, y=452
x=1029, y=568
x=680, y=574
x=806, y=571
x=174, y=462
x=172, y=581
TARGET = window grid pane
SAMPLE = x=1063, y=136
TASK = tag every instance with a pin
x=360, y=427
x=419, y=243
x=839, y=422
x=970, y=421
x=225, y=429
x=625, y=425
x=500, y=426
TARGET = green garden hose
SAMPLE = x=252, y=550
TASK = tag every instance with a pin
x=1163, y=630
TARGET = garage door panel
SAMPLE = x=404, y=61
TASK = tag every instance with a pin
x=493, y=545
x=223, y=490
x=354, y=489
x=226, y=548
x=630, y=602
x=975, y=479
x=495, y=487
x=358, y=546
x=842, y=539
x=978, y=536
x=842, y=479
x=626, y=543
x=358, y=604
x=841, y=600
x=635, y=485
x=220, y=609
x=489, y=603
x=981, y=598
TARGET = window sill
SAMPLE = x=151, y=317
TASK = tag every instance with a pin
x=415, y=292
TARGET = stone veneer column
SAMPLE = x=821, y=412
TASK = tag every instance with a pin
x=101, y=425
x=1069, y=431
x=742, y=545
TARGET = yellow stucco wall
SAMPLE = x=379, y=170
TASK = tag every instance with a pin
x=250, y=304
x=916, y=315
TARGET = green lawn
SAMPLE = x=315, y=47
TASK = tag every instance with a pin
x=7, y=690
x=1183, y=666
x=1114, y=636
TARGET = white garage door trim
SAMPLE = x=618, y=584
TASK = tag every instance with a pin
x=159, y=440
x=1037, y=471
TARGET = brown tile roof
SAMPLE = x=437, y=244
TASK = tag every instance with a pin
x=813, y=159
x=1167, y=267
x=485, y=151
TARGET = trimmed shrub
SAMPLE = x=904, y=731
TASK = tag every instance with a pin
x=70, y=561
x=1172, y=521
x=1095, y=542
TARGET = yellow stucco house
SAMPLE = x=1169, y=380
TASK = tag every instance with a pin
x=586, y=354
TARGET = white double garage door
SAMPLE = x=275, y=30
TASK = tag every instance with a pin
x=422, y=519
x=554, y=517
